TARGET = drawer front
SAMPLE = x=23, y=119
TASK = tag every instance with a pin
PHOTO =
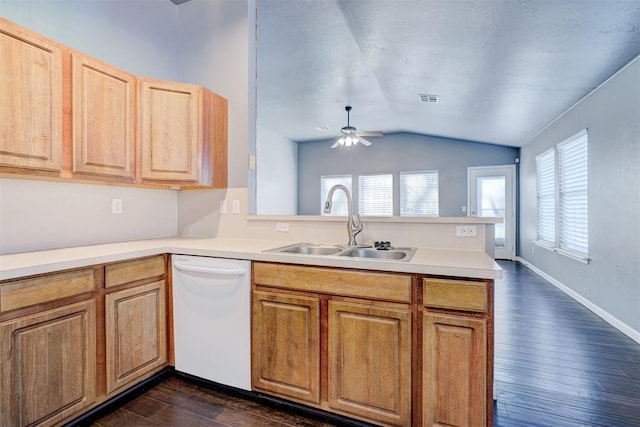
x=359, y=284
x=455, y=294
x=130, y=271
x=24, y=293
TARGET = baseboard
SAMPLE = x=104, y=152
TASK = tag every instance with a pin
x=88, y=418
x=605, y=315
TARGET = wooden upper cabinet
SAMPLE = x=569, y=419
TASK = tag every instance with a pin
x=183, y=134
x=30, y=100
x=104, y=118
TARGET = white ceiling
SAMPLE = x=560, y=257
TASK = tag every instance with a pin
x=503, y=69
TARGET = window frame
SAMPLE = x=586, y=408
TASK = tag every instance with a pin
x=559, y=172
x=541, y=161
x=362, y=194
x=429, y=175
x=336, y=202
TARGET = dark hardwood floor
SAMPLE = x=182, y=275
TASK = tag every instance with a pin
x=556, y=364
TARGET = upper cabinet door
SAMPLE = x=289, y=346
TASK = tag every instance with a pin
x=170, y=134
x=104, y=118
x=30, y=100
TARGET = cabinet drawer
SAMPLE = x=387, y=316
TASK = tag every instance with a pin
x=359, y=284
x=130, y=271
x=24, y=293
x=455, y=294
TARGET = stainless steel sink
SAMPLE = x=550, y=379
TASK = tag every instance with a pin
x=394, y=254
x=308, y=249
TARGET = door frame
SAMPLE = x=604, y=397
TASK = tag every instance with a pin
x=510, y=251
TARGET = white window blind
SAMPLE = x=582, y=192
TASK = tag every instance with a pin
x=419, y=193
x=546, y=197
x=573, y=195
x=375, y=195
x=339, y=205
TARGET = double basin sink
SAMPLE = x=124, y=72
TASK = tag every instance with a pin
x=391, y=254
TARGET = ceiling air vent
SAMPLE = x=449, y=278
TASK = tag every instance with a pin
x=425, y=97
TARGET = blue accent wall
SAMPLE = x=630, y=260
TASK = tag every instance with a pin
x=395, y=153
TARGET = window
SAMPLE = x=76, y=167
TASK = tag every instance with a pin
x=419, y=193
x=375, y=195
x=546, y=195
x=339, y=205
x=563, y=198
x=573, y=194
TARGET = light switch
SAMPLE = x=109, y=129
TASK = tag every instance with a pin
x=235, y=207
x=223, y=206
x=116, y=206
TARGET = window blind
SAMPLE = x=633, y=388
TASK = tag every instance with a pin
x=546, y=192
x=419, y=193
x=339, y=205
x=375, y=195
x=573, y=195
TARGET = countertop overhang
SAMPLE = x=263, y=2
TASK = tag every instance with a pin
x=433, y=261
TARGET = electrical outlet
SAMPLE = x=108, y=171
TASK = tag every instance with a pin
x=283, y=227
x=466, y=230
x=116, y=206
x=223, y=206
x=235, y=207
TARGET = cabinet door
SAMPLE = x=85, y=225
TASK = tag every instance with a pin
x=135, y=333
x=170, y=133
x=30, y=100
x=103, y=118
x=286, y=346
x=48, y=368
x=369, y=357
x=454, y=377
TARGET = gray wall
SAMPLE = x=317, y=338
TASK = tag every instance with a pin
x=277, y=172
x=212, y=51
x=394, y=153
x=612, y=280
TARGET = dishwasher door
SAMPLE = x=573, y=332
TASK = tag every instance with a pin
x=212, y=318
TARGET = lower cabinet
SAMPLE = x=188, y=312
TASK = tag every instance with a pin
x=135, y=329
x=70, y=340
x=286, y=345
x=454, y=380
x=48, y=365
x=369, y=358
x=339, y=352
x=387, y=348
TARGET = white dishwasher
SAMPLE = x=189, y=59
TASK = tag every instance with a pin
x=212, y=318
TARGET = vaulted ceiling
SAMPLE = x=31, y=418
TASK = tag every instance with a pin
x=502, y=69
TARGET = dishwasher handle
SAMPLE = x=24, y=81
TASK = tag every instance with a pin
x=214, y=271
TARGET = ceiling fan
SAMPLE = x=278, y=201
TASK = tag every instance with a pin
x=351, y=136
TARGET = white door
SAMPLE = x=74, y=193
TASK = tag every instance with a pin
x=491, y=193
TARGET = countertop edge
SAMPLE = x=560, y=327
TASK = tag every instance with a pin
x=432, y=261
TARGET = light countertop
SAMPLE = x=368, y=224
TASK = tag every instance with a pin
x=445, y=262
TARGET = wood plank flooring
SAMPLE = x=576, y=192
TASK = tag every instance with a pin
x=557, y=364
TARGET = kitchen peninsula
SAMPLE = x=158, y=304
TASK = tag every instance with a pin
x=433, y=316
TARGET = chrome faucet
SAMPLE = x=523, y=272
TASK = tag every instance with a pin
x=353, y=226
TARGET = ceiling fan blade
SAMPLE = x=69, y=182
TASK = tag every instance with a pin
x=372, y=133
x=336, y=144
x=363, y=141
